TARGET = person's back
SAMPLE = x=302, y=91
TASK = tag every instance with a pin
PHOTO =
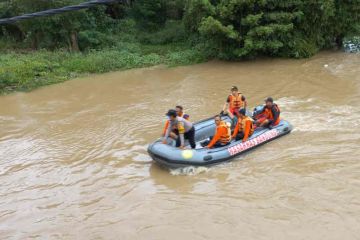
x=183, y=125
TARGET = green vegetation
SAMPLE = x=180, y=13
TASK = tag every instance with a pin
x=25, y=71
x=139, y=33
x=294, y=28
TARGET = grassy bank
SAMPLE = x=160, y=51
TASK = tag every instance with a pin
x=28, y=70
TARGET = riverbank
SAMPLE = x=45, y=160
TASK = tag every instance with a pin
x=24, y=71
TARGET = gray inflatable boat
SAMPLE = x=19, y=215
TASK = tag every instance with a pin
x=171, y=157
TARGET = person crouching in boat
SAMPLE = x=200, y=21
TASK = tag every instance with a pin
x=180, y=112
x=244, y=127
x=183, y=127
x=222, y=135
x=271, y=114
x=234, y=102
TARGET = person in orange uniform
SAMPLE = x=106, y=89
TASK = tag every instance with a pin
x=271, y=114
x=244, y=127
x=180, y=112
x=222, y=135
x=234, y=102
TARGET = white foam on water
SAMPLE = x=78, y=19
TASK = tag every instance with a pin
x=189, y=171
x=312, y=115
x=7, y=118
x=294, y=102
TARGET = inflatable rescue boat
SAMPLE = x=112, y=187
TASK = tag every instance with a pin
x=171, y=157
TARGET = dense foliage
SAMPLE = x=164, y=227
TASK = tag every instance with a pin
x=225, y=29
x=293, y=28
x=231, y=29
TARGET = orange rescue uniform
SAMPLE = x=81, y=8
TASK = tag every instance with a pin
x=222, y=134
x=273, y=114
x=236, y=102
x=244, y=125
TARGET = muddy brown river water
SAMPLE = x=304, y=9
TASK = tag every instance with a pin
x=73, y=160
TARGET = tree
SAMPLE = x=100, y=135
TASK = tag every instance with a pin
x=150, y=15
x=250, y=28
x=293, y=28
x=54, y=31
x=195, y=11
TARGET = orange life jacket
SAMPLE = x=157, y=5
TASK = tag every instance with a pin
x=269, y=115
x=242, y=125
x=226, y=135
x=236, y=102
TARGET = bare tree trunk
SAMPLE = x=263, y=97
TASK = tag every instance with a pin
x=35, y=41
x=74, y=42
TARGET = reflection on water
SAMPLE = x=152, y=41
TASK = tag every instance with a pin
x=73, y=160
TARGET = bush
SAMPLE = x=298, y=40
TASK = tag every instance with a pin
x=173, y=31
x=94, y=40
x=185, y=57
x=34, y=69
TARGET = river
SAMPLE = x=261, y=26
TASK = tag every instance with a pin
x=73, y=160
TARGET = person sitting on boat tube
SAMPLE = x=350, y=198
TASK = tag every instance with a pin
x=234, y=102
x=222, y=135
x=180, y=112
x=271, y=114
x=185, y=130
x=244, y=127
